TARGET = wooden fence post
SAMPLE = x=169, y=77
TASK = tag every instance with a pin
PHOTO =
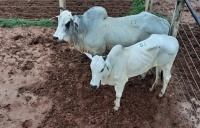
x=177, y=17
x=62, y=3
x=148, y=5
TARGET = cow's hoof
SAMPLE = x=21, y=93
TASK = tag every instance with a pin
x=115, y=108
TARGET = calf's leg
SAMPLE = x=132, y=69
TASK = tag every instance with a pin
x=118, y=89
x=166, y=76
x=156, y=80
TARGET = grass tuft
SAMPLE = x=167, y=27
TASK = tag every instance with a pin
x=15, y=22
x=137, y=6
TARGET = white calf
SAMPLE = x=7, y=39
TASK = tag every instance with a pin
x=124, y=62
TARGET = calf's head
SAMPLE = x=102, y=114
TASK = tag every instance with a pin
x=98, y=68
x=63, y=26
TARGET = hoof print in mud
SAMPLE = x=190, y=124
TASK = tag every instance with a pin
x=28, y=65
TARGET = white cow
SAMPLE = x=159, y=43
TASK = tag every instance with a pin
x=63, y=18
x=121, y=63
x=94, y=32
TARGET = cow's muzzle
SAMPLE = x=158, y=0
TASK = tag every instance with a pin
x=55, y=38
x=93, y=86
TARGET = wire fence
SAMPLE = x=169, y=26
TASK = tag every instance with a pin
x=37, y=9
x=187, y=62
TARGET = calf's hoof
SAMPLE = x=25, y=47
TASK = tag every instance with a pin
x=116, y=108
x=150, y=89
x=161, y=94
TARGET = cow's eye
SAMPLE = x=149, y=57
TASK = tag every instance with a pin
x=67, y=25
x=102, y=70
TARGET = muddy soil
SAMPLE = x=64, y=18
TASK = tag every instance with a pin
x=46, y=84
x=36, y=9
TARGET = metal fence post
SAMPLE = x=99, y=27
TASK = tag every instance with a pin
x=177, y=17
x=148, y=5
x=62, y=3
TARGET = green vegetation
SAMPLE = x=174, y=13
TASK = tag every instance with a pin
x=14, y=22
x=137, y=7
x=160, y=15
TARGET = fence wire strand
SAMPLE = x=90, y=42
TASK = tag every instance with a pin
x=193, y=75
x=187, y=61
x=193, y=34
x=189, y=40
x=188, y=67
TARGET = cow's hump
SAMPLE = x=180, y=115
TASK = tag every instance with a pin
x=94, y=14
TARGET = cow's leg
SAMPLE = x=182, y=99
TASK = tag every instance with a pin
x=118, y=89
x=142, y=76
x=166, y=76
x=156, y=80
x=151, y=71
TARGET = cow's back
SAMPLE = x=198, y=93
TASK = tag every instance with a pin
x=168, y=50
x=157, y=49
x=152, y=23
x=129, y=30
x=154, y=51
x=101, y=32
x=94, y=15
x=145, y=21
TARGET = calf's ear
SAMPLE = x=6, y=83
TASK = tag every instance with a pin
x=108, y=65
x=88, y=55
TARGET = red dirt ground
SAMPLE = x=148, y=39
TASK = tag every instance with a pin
x=45, y=84
x=37, y=9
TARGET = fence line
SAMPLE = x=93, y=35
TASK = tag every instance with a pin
x=187, y=61
x=189, y=70
x=50, y=8
x=197, y=19
x=193, y=34
x=183, y=84
x=190, y=42
x=81, y=6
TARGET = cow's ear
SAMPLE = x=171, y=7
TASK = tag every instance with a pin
x=62, y=8
x=88, y=55
x=54, y=19
x=108, y=65
x=76, y=20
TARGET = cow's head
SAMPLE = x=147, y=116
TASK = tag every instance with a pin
x=98, y=66
x=63, y=26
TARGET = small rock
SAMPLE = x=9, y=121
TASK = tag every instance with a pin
x=72, y=66
x=79, y=86
x=47, y=45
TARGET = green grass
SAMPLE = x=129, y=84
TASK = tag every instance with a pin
x=137, y=6
x=15, y=22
